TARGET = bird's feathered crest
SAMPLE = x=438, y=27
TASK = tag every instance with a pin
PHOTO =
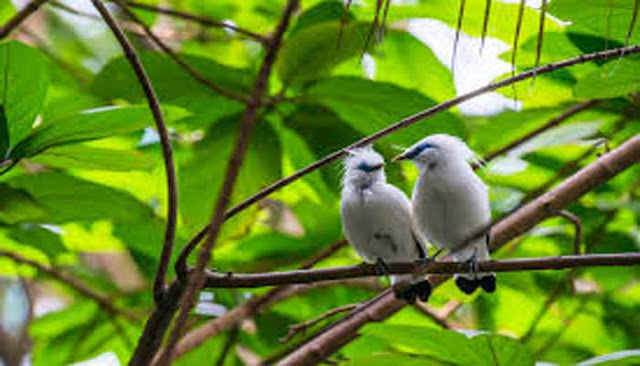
x=453, y=145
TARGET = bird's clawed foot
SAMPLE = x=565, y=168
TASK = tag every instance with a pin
x=382, y=268
x=429, y=259
x=420, y=290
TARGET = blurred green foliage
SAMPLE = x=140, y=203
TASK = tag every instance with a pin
x=90, y=177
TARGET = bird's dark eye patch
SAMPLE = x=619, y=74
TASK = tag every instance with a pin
x=368, y=168
x=418, y=149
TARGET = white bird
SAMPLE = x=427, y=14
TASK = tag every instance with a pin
x=376, y=219
x=451, y=204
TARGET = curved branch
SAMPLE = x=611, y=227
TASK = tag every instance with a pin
x=75, y=284
x=167, y=152
x=198, y=19
x=20, y=17
x=545, y=206
x=177, y=59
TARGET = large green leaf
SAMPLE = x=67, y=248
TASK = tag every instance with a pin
x=23, y=87
x=607, y=19
x=4, y=134
x=117, y=81
x=93, y=158
x=409, y=63
x=370, y=106
x=314, y=51
x=616, y=78
x=91, y=125
x=71, y=199
x=38, y=237
x=17, y=205
x=452, y=347
x=319, y=13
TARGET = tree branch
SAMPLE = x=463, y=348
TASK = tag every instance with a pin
x=75, y=284
x=198, y=19
x=545, y=206
x=250, y=280
x=301, y=327
x=19, y=17
x=249, y=120
x=177, y=59
x=167, y=152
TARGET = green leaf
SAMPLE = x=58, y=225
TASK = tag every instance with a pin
x=94, y=158
x=23, y=87
x=385, y=359
x=17, y=205
x=614, y=79
x=91, y=125
x=594, y=16
x=319, y=13
x=6, y=11
x=409, y=63
x=313, y=51
x=353, y=99
x=58, y=322
x=68, y=198
x=38, y=237
x=117, y=81
x=452, y=347
x=4, y=134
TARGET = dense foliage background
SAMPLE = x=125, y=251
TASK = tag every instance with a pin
x=87, y=195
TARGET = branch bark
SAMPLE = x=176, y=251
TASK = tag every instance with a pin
x=545, y=206
x=167, y=152
x=221, y=280
x=20, y=17
x=77, y=285
x=198, y=19
x=249, y=120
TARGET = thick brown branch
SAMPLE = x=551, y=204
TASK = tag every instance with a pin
x=198, y=19
x=545, y=206
x=167, y=152
x=249, y=120
x=74, y=283
x=177, y=59
x=19, y=17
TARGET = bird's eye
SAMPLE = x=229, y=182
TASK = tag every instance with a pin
x=418, y=149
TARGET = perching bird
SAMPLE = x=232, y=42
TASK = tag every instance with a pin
x=376, y=219
x=451, y=204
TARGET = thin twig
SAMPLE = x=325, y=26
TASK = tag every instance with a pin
x=632, y=23
x=167, y=152
x=19, y=17
x=514, y=51
x=75, y=284
x=249, y=120
x=301, y=327
x=553, y=122
x=577, y=224
x=457, y=36
x=177, y=59
x=543, y=16
x=485, y=23
x=545, y=206
x=324, y=254
x=198, y=19
x=550, y=300
x=232, y=338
